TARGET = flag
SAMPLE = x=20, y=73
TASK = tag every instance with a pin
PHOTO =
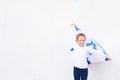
x=92, y=43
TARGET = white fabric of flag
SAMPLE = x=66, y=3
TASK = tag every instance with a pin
x=91, y=42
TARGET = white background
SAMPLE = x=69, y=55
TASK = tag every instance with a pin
x=35, y=36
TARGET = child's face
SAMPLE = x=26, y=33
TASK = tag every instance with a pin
x=81, y=41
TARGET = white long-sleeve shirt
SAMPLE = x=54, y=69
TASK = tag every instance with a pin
x=80, y=54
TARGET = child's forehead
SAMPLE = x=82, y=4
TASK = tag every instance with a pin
x=81, y=37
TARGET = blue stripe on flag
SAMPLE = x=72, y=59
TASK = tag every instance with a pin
x=77, y=28
x=93, y=44
x=72, y=49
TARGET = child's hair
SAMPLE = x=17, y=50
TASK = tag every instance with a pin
x=80, y=34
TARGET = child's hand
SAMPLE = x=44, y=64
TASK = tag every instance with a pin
x=109, y=59
x=73, y=24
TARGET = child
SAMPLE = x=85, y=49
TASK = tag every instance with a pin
x=79, y=57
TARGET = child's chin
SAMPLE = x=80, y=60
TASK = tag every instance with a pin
x=81, y=45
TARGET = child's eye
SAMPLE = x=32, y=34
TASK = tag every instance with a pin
x=81, y=40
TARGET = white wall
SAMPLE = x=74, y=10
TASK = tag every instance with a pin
x=35, y=36
x=101, y=18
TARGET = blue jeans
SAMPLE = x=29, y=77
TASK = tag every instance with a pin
x=80, y=74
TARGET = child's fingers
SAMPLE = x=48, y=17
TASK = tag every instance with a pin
x=108, y=58
x=73, y=24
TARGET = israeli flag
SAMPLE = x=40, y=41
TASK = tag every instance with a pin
x=92, y=43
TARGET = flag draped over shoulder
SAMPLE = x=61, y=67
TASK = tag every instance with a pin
x=91, y=42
